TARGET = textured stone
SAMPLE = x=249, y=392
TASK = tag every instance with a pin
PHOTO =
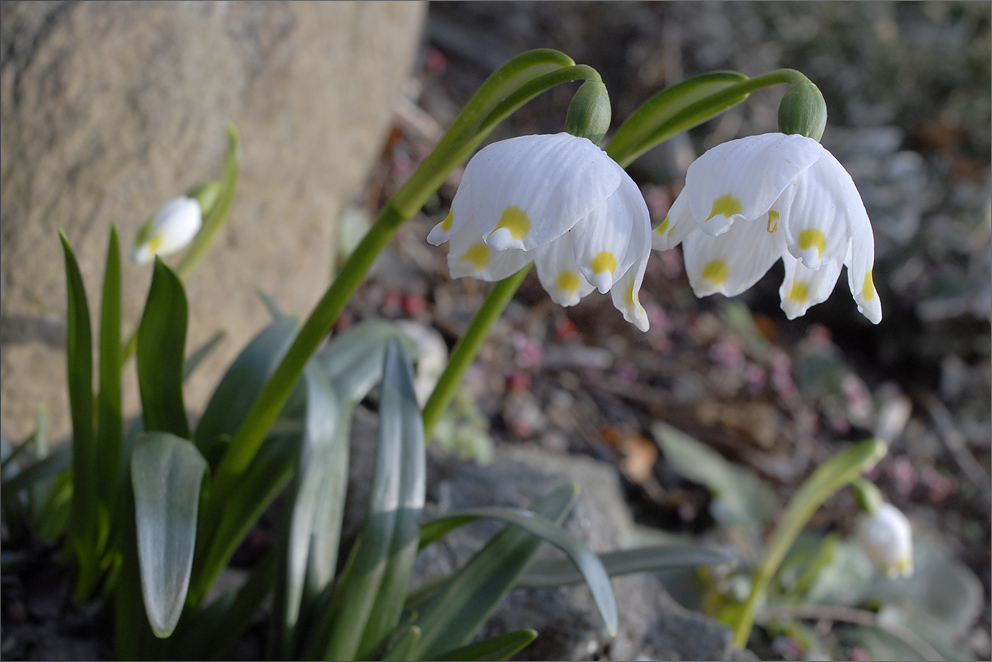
x=110, y=109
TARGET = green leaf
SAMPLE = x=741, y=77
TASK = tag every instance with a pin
x=316, y=468
x=36, y=472
x=452, y=616
x=545, y=573
x=404, y=646
x=740, y=496
x=160, y=354
x=674, y=109
x=166, y=472
x=110, y=420
x=587, y=563
x=380, y=562
x=55, y=513
x=399, y=417
x=500, y=647
x=79, y=364
x=240, y=386
x=354, y=359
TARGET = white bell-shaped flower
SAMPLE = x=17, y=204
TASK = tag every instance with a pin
x=174, y=225
x=748, y=202
x=560, y=201
x=888, y=539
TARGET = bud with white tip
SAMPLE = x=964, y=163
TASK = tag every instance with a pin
x=172, y=228
x=888, y=539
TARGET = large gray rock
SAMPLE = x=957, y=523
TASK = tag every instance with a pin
x=110, y=109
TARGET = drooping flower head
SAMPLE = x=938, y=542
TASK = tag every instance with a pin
x=174, y=225
x=888, y=539
x=560, y=201
x=748, y=202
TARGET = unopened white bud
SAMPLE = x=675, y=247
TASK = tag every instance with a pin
x=173, y=227
x=888, y=539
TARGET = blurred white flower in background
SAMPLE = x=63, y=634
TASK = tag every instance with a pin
x=172, y=228
x=557, y=200
x=748, y=202
x=888, y=539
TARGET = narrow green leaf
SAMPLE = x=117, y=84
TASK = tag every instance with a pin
x=110, y=420
x=665, y=114
x=166, y=472
x=582, y=557
x=545, y=573
x=240, y=386
x=344, y=621
x=454, y=614
x=315, y=469
x=36, y=472
x=403, y=648
x=399, y=416
x=354, y=359
x=194, y=360
x=500, y=647
x=54, y=514
x=79, y=364
x=160, y=354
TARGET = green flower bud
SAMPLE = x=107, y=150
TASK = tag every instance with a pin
x=589, y=113
x=803, y=111
x=868, y=496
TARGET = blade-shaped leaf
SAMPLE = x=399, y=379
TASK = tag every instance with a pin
x=160, y=354
x=500, y=647
x=389, y=535
x=194, y=360
x=79, y=363
x=545, y=573
x=354, y=359
x=404, y=646
x=582, y=557
x=240, y=386
x=452, y=616
x=110, y=420
x=399, y=416
x=315, y=468
x=166, y=472
x=59, y=461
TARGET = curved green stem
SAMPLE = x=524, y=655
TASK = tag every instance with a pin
x=468, y=347
x=838, y=471
x=683, y=106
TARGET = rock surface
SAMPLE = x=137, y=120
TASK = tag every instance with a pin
x=110, y=109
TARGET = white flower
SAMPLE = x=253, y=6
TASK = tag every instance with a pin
x=888, y=539
x=560, y=201
x=175, y=224
x=750, y=201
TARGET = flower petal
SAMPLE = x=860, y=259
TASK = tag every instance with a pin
x=859, y=261
x=605, y=238
x=815, y=212
x=176, y=223
x=741, y=179
x=804, y=287
x=461, y=209
x=530, y=190
x=733, y=261
x=559, y=273
x=625, y=295
x=678, y=223
x=471, y=256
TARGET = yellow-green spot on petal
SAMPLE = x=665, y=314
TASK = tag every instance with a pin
x=811, y=237
x=155, y=243
x=568, y=281
x=632, y=296
x=868, y=290
x=478, y=255
x=726, y=205
x=716, y=272
x=799, y=292
x=516, y=221
x=664, y=226
x=448, y=221
x=604, y=261
x=772, y=221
